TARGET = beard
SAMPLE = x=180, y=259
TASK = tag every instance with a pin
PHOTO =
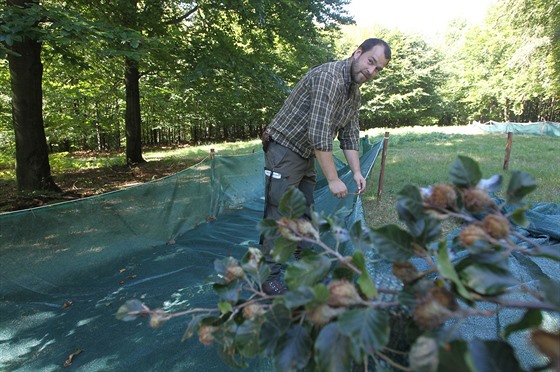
x=358, y=76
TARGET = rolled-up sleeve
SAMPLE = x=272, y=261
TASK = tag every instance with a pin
x=349, y=135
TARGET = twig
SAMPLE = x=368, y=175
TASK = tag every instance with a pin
x=391, y=361
x=518, y=304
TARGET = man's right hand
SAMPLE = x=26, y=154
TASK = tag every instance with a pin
x=338, y=188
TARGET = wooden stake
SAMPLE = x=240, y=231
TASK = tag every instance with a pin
x=382, y=172
x=212, y=154
x=508, y=150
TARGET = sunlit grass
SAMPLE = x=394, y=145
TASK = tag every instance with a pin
x=203, y=151
x=422, y=159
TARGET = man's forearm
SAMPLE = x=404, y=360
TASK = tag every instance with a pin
x=326, y=162
x=353, y=159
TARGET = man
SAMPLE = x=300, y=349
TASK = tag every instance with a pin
x=323, y=105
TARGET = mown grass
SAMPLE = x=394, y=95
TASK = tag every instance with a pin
x=423, y=156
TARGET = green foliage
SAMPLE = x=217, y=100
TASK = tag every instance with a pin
x=405, y=93
x=333, y=316
x=214, y=72
x=507, y=68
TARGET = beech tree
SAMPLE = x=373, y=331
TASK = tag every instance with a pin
x=26, y=70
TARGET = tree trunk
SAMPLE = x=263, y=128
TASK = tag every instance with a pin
x=133, y=121
x=33, y=171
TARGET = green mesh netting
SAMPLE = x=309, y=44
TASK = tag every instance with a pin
x=542, y=128
x=66, y=269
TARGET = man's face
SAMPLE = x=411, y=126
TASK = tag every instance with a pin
x=366, y=65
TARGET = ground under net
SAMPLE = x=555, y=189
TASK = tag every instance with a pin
x=66, y=269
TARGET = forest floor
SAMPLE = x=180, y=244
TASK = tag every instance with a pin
x=81, y=183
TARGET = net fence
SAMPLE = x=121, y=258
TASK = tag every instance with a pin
x=66, y=269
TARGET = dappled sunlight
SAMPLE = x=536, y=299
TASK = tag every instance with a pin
x=14, y=346
x=449, y=144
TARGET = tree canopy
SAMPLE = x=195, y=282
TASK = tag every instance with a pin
x=166, y=72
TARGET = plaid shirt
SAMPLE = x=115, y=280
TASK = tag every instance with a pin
x=323, y=105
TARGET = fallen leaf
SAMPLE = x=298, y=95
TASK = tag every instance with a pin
x=71, y=357
x=67, y=304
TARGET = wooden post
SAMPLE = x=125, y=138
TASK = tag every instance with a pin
x=212, y=154
x=508, y=150
x=382, y=172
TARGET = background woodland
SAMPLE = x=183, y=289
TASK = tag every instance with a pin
x=130, y=73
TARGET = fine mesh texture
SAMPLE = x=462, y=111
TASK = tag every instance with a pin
x=157, y=242
x=542, y=128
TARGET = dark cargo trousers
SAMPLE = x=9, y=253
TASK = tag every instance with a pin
x=285, y=169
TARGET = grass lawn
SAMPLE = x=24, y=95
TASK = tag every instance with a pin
x=422, y=156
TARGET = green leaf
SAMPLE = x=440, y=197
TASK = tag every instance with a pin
x=8, y=40
x=229, y=292
x=549, y=287
x=299, y=297
x=411, y=211
x=343, y=273
x=493, y=355
x=518, y=216
x=268, y=227
x=321, y=293
x=465, y=172
x=364, y=280
x=532, y=318
x=447, y=270
x=278, y=317
x=277, y=321
x=293, y=350
x=367, y=328
x=252, y=264
x=392, y=243
x=292, y=204
x=332, y=350
x=366, y=285
x=455, y=356
x=410, y=200
x=308, y=271
x=520, y=184
x=130, y=306
x=361, y=239
x=487, y=279
x=221, y=267
x=247, y=337
x=424, y=227
x=228, y=356
x=192, y=327
x=225, y=307
x=283, y=249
